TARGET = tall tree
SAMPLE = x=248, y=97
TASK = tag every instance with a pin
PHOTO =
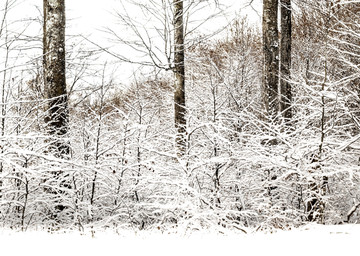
x=54, y=71
x=285, y=66
x=270, y=93
x=179, y=69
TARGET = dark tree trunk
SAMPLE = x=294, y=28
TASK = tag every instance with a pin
x=54, y=73
x=179, y=70
x=285, y=66
x=270, y=88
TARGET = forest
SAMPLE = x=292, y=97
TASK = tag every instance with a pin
x=251, y=126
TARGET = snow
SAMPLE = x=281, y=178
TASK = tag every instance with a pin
x=308, y=240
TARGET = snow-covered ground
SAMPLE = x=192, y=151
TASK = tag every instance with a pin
x=309, y=240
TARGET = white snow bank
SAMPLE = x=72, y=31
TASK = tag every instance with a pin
x=308, y=240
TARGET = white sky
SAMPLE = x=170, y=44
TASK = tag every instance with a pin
x=89, y=17
x=92, y=14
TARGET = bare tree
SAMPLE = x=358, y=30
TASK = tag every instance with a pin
x=162, y=39
x=179, y=70
x=3, y=110
x=270, y=92
x=285, y=66
x=54, y=71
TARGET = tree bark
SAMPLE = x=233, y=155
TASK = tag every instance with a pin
x=54, y=72
x=285, y=67
x=270, y=90
x=179, y=70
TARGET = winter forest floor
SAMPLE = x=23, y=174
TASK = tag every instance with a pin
x=311, y=239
